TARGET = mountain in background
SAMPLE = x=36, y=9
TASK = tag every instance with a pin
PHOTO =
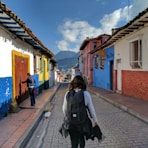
x=65, y=54
x=66, y=59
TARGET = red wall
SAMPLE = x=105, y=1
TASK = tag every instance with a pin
x=135, y=83
x=87, y=60
x=87, y=57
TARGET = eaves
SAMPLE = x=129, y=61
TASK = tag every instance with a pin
x=140, y=21
x=15, y=25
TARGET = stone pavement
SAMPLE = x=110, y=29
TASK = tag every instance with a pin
x=121, y=130
x=134, y=106
x=16, y=126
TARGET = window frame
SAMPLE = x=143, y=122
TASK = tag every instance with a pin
x=135, y=58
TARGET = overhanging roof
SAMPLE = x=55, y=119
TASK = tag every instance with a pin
x=138, y=22
x=87, y=40
x=12, y=23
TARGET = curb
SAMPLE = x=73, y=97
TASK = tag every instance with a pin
x=123, y=107
x=26, y=136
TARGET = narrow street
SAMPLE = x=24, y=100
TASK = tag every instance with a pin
x=120, y=129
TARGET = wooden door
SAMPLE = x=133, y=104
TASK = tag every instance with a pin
x=21, y=70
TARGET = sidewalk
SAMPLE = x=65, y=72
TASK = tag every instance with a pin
x=134, y=106
x=15, y=127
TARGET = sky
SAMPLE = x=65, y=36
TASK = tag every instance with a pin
x=64, y=24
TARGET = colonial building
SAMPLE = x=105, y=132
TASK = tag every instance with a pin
x=21, y=52
x=121, y=63
x=130, y=61
x=103, y=63
x=85, y=58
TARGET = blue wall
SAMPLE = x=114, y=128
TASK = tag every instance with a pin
x=5, y=95
x=102, y=77
x=36, y=78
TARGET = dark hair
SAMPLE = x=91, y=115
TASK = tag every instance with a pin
x=77, y=82
x=28, y=74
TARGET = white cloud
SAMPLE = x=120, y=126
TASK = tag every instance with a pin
x=111, y=20
x=63, y=45
x=138, y=6
x=74, y=32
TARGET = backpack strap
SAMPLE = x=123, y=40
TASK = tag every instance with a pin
x=86, y=105
x=71, y=92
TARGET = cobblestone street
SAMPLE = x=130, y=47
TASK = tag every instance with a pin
x=120, y=128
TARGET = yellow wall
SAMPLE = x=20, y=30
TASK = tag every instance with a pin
x=46, y=72
x=44, y=68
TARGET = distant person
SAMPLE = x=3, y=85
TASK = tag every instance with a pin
x=78, y=73
x=78, y=122
x=31, y=85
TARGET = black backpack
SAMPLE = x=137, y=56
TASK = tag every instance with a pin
x=76, y=109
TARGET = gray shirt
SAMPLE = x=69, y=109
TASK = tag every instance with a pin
x=88, y=103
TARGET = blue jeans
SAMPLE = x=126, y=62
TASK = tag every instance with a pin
x=32, y=96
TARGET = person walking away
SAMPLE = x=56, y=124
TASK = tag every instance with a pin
x=31, y=85
x=77, y=87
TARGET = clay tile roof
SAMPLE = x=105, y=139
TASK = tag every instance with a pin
x=139, y=21
x=87, y=40
x=11, y=22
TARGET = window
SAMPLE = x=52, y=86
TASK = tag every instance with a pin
x=95, y=44
x=102, y=55
x=136, y=54
x=102, y=63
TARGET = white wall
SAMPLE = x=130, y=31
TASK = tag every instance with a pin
x=80, y=62
x=122, y=50
x=9, y=42
x=145, y=49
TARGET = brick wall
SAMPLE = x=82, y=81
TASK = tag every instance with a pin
x=135, y=83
